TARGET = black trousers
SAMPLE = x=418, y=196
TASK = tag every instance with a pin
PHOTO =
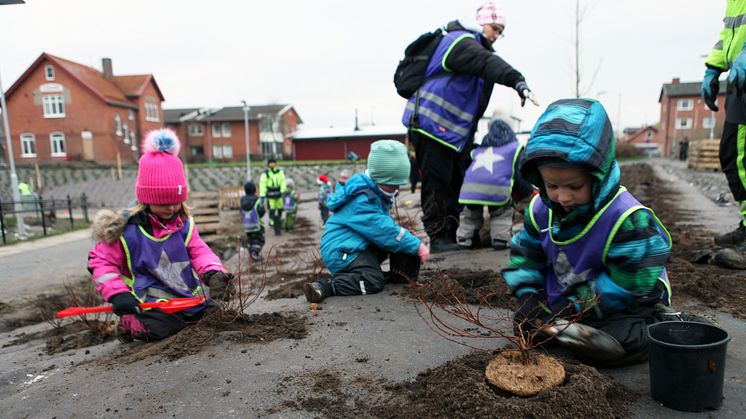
x=443, y=171
x=255, y=240
x=364, y=274
x=160, y=325
x=732, y=154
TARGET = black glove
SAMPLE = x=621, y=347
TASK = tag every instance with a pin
x=220, y=285
x=563, y=308
x=521, y=87
x=710, y=88
x=125, y=303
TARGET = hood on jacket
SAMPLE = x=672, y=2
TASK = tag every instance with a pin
x=499, y=134
x=354, y=185
x=108, y=225
x=577, y=132
x=250, y=188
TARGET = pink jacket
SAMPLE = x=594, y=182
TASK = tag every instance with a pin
x=108, y=263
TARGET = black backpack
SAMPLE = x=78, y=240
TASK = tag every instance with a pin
x=410, y=73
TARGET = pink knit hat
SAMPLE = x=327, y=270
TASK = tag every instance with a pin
x=160, y=179
x=489, y=14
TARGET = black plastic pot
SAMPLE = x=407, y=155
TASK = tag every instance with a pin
x=687, y=365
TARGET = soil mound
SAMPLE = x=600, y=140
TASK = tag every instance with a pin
x=458, y=389
x=233, y=327
x=76, y=335
x=469, y=286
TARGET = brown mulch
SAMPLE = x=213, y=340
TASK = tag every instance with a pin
x=467, y=285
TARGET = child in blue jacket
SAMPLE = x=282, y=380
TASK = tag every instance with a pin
x=589, y=252
x=361, y=234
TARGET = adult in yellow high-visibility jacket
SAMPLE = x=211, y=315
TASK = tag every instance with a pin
x=728, y=54
x=271, y=188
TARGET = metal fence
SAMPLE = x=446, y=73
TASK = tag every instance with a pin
x=45, y=210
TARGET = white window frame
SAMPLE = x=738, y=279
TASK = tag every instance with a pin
x=680, y=104
x=217, y=151
x=227, y=151
x=151, y=112
x=126, y=134
x=53, y=106
x=28, y=145
x=709, y=122
x=226, y=129
x=118, y=125
x=196, y=130
x=683, y=123
x=649, y=135
x=216, y=130
x=49, y=72
x=57, y=142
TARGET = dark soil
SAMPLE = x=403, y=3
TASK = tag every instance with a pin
x=42, y=308
x=714, y=287
x=458, y=389
x=213, y=328
x=469, y=286
x=70, y=336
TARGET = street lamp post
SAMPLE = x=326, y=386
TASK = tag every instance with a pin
x=11, y=162
x=248, y=149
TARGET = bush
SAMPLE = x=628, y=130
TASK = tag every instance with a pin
x=626, y=151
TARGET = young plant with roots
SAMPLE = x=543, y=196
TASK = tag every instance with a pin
x=520, y=370
x=100, y=324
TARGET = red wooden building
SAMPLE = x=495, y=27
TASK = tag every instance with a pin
x=60, y=110
x=335, y=143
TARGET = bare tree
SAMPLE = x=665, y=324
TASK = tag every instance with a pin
x=580, y=14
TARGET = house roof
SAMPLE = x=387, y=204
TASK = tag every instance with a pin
x=107, y=90
x=348, y=132
x=173, y=116
x=134, y=86
x=226, y=114
x=642, y=131
x=686, y=89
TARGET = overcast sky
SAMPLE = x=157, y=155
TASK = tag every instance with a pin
x=328, y=57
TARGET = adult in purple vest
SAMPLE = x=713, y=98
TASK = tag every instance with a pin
x=153, y=252
x=492, y=180
x=589, y=252
x=442, y=116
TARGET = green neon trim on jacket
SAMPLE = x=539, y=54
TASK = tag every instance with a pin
x=740, y=144
x=191, y=229
x=443, y=61
x=588, y=227
x=130, y=282
x=621, y=220
x=427, y=134
x=531, y=213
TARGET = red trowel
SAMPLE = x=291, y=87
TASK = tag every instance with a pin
x=171, y=306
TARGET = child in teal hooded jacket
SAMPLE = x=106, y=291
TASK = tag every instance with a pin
x=589, y=252
x=361, y=234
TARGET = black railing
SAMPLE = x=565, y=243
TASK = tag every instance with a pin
x=43, y=209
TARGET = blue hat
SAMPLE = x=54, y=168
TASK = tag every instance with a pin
x=499, y=134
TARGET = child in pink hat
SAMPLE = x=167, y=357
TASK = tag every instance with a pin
x=150, y=252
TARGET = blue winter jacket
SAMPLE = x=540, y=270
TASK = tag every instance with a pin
x=361, y=217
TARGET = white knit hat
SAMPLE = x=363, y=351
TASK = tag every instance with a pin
x=489, y=14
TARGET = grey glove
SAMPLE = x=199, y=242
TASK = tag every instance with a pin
x=586, y=340
x=525, y=93
x=220, y=285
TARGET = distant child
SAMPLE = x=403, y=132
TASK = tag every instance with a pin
x=343, y=176
x=361, y=233
x=325, y=191
x=252, y=212
x=152, y=251
x=290, y=204
x=589, y=251
x=492, y=180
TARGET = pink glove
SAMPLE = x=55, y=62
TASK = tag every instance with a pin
x=423, y=252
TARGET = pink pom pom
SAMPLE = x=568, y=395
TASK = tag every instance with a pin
x=161, y=140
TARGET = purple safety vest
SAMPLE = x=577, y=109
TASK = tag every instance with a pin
x=160, y=264
x=288, y=201
x=489, y=178
x=250, y=219
x=448, y=102
x=582, y=258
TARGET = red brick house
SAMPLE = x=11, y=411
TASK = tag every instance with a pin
x=685, y=115
x=220, y=134
x=335, y=143
x=60, y=110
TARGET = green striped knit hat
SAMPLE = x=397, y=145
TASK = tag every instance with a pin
x=388, y=163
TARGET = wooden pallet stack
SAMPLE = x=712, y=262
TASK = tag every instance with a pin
x=206, y=212
x=230, y=197
x=703, y=155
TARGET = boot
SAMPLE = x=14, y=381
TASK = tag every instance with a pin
x=665, y=313
x=733, y=238
x=255, y=255
x=730, y=259
x=442, y=244
x=314, y=292
x=498, y=244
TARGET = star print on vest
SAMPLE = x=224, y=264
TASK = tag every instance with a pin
x=566, y=276
x=160, y=263
x=169, y=272
x=487, y=160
